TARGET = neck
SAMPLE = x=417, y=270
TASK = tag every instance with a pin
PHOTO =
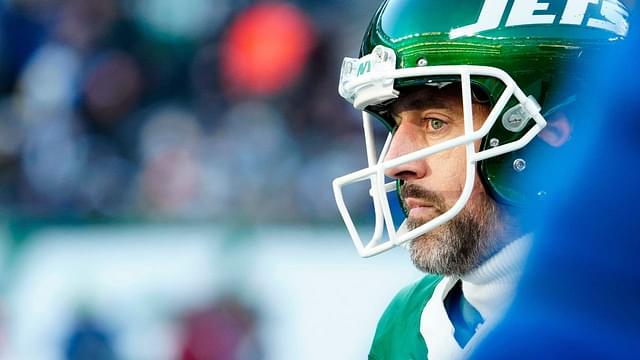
x=509, y=230
x=490, y=286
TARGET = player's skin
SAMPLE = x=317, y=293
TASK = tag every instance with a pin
x=433, y=184
x=426, y=118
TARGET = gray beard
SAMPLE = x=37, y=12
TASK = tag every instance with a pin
x=460, y=245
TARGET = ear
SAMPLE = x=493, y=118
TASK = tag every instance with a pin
x=558, y=130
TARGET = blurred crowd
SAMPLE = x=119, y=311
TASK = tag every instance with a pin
x=224, y=329
x=176, y=109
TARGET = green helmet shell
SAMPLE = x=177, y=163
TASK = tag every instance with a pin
x=542, y=45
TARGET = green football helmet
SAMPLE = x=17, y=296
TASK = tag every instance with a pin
x=523, y=57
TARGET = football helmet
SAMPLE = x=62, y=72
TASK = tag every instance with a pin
x=522, y=57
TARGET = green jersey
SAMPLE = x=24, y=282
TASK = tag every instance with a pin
x=398, y=332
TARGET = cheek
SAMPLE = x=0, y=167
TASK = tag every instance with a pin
x=476, y=145
x=478, y=188
x=448, y=170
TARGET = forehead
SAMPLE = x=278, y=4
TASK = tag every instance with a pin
x=425, y=97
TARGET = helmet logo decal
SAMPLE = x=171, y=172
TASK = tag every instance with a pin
x=613, y=16
x=364, y=68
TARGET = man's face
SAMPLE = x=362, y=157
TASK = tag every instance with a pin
x=432, y=185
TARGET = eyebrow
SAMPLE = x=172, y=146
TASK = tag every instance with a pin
x=419, y=102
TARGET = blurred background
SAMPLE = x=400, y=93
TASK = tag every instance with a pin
x=165, y=182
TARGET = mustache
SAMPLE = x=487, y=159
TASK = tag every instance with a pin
x=418, y=192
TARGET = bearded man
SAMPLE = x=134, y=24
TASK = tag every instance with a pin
x=475, y=97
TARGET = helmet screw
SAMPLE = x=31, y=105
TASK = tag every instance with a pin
x=519, y=165
x=494, y=142
x=422, y=62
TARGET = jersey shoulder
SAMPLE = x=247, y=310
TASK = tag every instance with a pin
x=398, y=332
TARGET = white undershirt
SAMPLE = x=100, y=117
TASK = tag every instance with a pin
x=489, y=288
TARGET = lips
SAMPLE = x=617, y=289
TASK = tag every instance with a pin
x=412, y=203
x=419, y=208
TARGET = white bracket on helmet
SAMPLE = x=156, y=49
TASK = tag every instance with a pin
x=363, y=81
x=517, y=118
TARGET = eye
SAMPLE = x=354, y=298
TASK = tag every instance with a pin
x=436, y=124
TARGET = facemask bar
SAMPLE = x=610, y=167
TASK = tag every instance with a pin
x=372, y=159
x=377, y=166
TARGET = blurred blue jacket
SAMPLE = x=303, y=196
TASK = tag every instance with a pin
x=579, y=297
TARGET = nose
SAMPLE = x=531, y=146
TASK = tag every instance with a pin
x=407, y=139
